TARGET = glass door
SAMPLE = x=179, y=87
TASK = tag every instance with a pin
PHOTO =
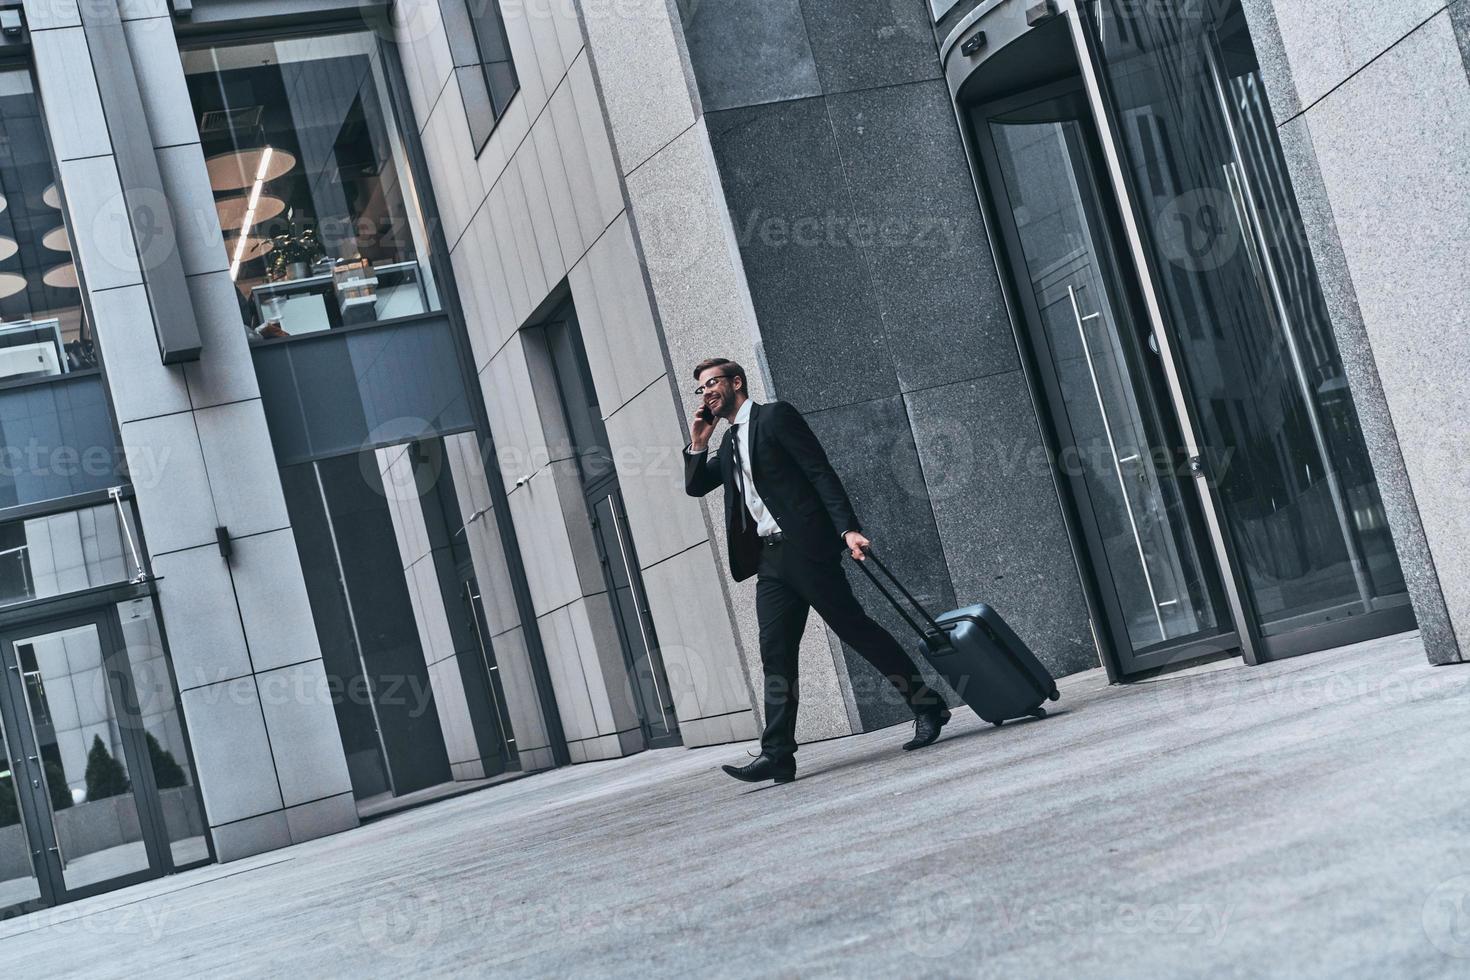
x=86, y=750
x=64, y=715
x=1098, y=361
x=20, y=883
x=1199, y=154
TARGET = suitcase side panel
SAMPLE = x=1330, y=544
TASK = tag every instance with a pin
x=984, y=675
x=1007, y=639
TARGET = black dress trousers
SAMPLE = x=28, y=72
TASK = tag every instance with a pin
x=790, y=583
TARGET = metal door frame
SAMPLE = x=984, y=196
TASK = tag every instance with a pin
x=1125, y=190
x=34, y=799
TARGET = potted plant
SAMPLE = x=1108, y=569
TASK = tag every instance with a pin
x=293, y=253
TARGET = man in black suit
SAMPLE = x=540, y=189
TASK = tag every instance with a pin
x=788, y=520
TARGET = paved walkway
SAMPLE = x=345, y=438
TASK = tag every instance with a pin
x=1308, y=818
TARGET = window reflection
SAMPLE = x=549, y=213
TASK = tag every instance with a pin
x=1240, y=284
x=311, y=184
x=43, y=331
x=69, y=552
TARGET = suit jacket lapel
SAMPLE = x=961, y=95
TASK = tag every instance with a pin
x=755, y=416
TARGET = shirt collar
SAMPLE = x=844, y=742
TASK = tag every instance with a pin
x=743, y=416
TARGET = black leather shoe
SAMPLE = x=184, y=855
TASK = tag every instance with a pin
x=926, y=729
x=764, y=768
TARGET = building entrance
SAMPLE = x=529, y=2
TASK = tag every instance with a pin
x=95, y=784
x=1119, y=444
x=1206, y=439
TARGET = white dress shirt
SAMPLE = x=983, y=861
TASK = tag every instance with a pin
x=765, y=524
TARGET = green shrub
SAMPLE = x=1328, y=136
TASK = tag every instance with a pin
x=105, y=775
x=56, y=785
x=9, y=810
x=167, y=772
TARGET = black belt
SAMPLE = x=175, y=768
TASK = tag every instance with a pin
x=771, y=539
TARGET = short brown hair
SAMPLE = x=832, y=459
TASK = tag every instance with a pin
x=731, y=369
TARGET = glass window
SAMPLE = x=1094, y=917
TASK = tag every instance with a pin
x=494, y=48
x=311, y=180
x=43, y=330
x=73, y=551
x=482, y=62
x=1242, y=291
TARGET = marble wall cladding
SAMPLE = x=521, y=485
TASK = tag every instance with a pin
x=696, y=637
x=640, y=70
x=791, y=209
x=1328, y=42
x=916, y=220
x=871, y=446
x=1397, y=191
x=746, y=52
x=1374, y=416
x=862, y=44
x=999, y=520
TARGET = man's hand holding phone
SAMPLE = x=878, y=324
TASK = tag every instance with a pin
x=701, y=429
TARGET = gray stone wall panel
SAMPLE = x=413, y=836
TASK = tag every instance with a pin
x=989, y=480
x=862, y=44
x=813, y=296
x=917, y=224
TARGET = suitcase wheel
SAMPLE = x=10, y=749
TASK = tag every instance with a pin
x=1055, y=695
x=997, y=724
x=1037, y=712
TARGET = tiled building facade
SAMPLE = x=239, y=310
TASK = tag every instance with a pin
x=345, y=350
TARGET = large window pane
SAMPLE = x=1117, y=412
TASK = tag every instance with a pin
x=43, y=330
x=311, y=183
x=1242, y=294
x=494, y=51
x=69, y=552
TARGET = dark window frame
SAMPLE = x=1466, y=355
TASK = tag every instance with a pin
x=467, y=24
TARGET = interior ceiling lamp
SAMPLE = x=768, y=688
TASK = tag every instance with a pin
x=257, y=207
x=4, y=202
x=57, y=240
x=238, y=214
x=11, y=283
x=62, y=276
x=51, y=197
x=236, y=170
x=8, y=247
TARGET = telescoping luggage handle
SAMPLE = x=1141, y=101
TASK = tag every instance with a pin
x=935, y=636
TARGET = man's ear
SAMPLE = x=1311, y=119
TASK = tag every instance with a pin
x=737, y=383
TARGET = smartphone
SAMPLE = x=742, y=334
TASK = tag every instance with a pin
x=705, y=415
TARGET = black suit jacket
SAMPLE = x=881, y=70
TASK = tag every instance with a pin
x=794, y=478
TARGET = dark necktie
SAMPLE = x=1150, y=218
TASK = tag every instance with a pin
x=739, y=477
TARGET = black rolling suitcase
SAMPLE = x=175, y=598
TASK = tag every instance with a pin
x=978, y=654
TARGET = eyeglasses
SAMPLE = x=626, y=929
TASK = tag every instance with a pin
x=709, y=383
